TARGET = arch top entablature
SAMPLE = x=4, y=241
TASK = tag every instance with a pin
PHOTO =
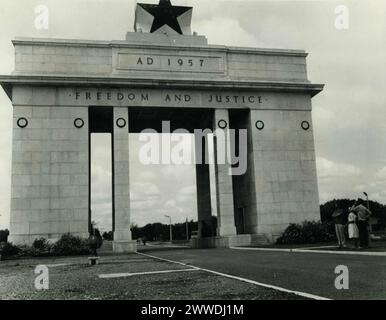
x=83, y=91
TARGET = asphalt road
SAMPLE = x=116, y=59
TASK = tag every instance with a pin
x=312, y=273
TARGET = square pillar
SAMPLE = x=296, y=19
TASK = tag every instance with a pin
x=49, y=173
x=284, y=170
x=121, y=192
x=224, y=188
x=204, y=206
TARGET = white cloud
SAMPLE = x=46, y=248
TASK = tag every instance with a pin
x=232, y=34
x=187, y=194
x=178, y=172
x=338, y=180
x=381, y=174
x=170, y=203
x=145, y=175
x=147, y=188
x=329, y=169
x=188, y=190
x=322, y=114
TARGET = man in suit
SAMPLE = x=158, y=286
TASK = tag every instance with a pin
x=363, y=221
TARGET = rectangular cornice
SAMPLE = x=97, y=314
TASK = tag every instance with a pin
x=35, y=80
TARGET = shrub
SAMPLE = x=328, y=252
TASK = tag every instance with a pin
x=307, y=233
x=108, y=236
x=40, y=248
x=69, y=245
x=27, y=251
x=9, y=250
x=4, y=235
x=41, y=244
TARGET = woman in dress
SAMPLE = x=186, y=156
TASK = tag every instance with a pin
x=353, y=231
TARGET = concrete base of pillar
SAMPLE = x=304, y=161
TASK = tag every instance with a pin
x=125, y=246
x=239, y=240
x=202, y=243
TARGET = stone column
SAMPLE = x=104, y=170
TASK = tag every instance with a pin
x=224, y=189
x=204, y=208
x=49, y=173
x=121, y=196
x=284, y=167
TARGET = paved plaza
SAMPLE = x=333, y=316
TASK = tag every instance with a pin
x=182, y=273
x=124, y=277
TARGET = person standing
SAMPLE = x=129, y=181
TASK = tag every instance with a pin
x=363, y=220
x=353, y=231
x=339, y=226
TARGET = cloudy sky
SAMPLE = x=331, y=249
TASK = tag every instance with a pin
x=349, y=116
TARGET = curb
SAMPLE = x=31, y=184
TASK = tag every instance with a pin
x=359, y=253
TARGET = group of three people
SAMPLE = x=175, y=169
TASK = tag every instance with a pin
x=358, y=223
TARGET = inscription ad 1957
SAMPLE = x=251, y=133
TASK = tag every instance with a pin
x=171, y=62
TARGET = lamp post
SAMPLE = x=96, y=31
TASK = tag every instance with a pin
x=170, y=223
x=187, y=230
x=367, y=199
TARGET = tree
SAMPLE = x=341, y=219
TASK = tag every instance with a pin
x=108, y=236
x=378, y=210
x=160, y=232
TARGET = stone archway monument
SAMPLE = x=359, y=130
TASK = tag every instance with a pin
x=64, y=90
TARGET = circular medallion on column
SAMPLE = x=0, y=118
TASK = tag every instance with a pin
x=259, y=125
x=305, y=125
x=78, y=123
x=22, y=122
x=121, y=123
x=222, y=124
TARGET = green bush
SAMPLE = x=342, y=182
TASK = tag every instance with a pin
x=42, y=244
x=108, y=236
x=40, y=248
x=307, y=233
x=9, y=250
x=28, y=251
x=69, y=245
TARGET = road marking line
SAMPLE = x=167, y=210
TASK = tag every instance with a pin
x=125, y=275
x=122, y=261
x=57, y=265
x=165, y=246
x=359, y=253
x=261, y=249
x=321, y=247
x=363, y=253
x=299, y=293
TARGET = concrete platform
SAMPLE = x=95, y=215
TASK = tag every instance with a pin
x=124, y=246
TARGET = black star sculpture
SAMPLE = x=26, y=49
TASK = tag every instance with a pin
x=165, y=14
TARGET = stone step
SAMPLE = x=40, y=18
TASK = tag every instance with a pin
x=259, y=240
x=107, y=246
